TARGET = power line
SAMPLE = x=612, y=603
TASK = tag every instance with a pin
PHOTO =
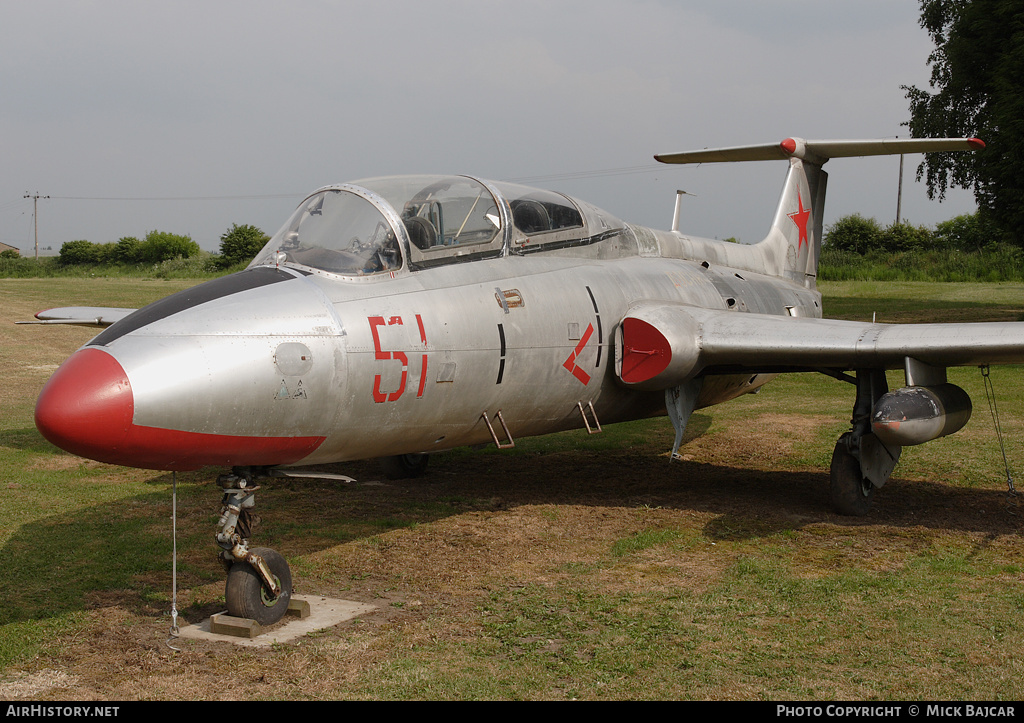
x=10, y=204
x=175, y=198
x=589, y=174
x=628, y=170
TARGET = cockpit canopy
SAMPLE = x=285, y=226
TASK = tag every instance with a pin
x=381, y=225
x=441, y=211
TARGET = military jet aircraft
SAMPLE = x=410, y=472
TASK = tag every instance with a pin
x=394, y=317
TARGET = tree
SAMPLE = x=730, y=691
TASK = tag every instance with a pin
x=977, y=71
x=241, y=243
x=969, y=232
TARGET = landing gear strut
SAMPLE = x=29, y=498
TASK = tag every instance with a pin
x=861, y=463
x=259, y=584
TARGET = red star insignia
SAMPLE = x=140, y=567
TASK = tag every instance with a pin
x=800, y=218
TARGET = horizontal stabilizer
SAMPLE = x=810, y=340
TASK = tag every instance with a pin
x=81, y=315
x=820, y=151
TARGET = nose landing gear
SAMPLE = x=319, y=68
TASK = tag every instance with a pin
x=259, y=584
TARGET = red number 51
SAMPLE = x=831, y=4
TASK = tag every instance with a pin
x=381, y=355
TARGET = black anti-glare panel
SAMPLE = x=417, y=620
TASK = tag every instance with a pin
x=216, y=289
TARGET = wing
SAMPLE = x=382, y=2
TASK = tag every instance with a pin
x=661, y=346
x=82, y=315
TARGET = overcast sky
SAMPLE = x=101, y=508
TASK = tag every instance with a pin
x=230, y=112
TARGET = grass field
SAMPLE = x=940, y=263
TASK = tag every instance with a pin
x=572, y=567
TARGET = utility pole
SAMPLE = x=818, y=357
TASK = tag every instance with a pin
x=899, y=192
x=35, y=216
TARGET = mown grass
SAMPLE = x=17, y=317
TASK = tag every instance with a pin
x=628, y=586
x=760, y=624
x=939, y=624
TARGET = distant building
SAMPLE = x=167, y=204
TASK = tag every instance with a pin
x=8, y=247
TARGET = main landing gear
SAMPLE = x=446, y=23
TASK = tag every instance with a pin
x=259, y=584
x=850, y=490
x=861, y=463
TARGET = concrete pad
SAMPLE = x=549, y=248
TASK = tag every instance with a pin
x=323, y=613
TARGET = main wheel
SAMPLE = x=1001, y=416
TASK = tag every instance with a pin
x=248, y=598
x=851, y=492
x=404, y=466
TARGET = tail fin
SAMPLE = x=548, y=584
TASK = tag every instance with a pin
x=795, y=236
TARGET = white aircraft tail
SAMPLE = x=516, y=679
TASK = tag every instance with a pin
x=795, y=234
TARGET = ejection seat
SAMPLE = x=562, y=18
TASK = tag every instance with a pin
x=421, y=232
x=530, y=216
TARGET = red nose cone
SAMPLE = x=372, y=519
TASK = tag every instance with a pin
x=86, y=408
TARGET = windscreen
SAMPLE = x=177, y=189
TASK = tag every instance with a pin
x=336, y=231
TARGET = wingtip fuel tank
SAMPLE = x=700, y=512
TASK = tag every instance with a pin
x=919, y=414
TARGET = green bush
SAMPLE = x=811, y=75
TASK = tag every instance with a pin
x=856, y=234
x=241, y=243
x=163, y=246
x=79, y=252
x=28, y=267
x=904, y=237
x=853, y=233
x=128, y=250
x=187, y=268
x=159, y=246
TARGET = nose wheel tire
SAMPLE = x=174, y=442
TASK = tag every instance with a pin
x=246, y=595
x=851, y=492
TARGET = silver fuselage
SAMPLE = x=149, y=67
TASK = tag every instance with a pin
x=418, y=358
